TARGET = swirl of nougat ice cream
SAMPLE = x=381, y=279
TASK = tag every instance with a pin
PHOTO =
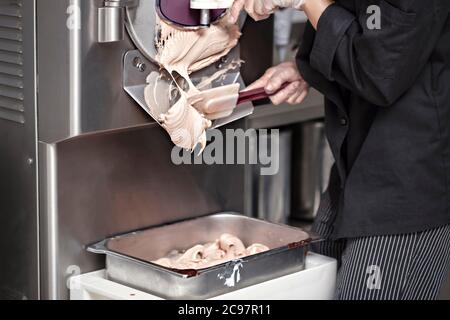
x=226, y=248
x=232, y=245
x=185, y=125
x=191, y=258
x=186, y=51
x=213, y=251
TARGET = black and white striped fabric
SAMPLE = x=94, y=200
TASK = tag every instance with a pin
x=410, y=266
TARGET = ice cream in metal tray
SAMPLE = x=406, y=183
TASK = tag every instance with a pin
x=224, y=249
x=132, y=259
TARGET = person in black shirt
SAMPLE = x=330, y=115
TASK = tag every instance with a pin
x=384, y=69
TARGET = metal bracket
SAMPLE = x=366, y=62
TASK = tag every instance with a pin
x=137, y=67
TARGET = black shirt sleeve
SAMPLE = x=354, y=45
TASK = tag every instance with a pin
x=379, y=64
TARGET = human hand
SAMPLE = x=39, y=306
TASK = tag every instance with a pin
x=262, y=9
x=275, y=77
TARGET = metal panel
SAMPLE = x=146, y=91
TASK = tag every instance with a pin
x=19, y=269
x=11, y=61
x=99, y=185
x=80, y=79
x=81, y=89
x=48, y=230
x=97, y=178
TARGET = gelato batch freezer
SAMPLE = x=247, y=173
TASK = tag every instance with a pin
x=80, y=160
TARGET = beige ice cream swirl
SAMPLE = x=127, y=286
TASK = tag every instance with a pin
x=227, y=247
x=186, y=51
x=185, y=125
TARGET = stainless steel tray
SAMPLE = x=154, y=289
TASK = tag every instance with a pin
x=129, y=256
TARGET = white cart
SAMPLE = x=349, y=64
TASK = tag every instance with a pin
x=316, y=282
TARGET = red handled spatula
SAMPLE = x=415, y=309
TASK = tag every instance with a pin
x=220, y=102
x=256, y=94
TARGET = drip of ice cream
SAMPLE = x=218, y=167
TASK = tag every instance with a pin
x=227, y=247
x=185, y=125
x=181, y=52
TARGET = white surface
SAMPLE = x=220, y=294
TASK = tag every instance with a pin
x=211, y=4
x=316, y=282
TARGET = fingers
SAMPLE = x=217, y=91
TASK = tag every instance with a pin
x=260, y=17
x=262, y=82
x=281, y=76
x=263, y=8
x=286, y=93
x=256, y=10
x=295, y=93
x=300, y=96
x=276, y=77
x=236, y=9
x=268, y=6
x=248, y=6
x=293, y=98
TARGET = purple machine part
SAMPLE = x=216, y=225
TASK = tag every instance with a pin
x=180, y=13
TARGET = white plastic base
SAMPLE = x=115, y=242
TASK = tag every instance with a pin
x=316, y=282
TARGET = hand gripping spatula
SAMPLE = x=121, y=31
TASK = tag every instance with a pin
x=221, y=101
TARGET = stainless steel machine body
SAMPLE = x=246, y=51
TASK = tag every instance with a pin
x=19, y=238
x=79, y=159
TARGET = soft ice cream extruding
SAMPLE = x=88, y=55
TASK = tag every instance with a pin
x=181, y=52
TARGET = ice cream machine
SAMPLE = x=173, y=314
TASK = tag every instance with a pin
x=79, y=159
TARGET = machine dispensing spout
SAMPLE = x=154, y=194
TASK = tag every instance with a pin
x=205, y=7
x=205, y=17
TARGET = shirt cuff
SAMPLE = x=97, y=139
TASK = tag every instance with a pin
x=332, y=25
